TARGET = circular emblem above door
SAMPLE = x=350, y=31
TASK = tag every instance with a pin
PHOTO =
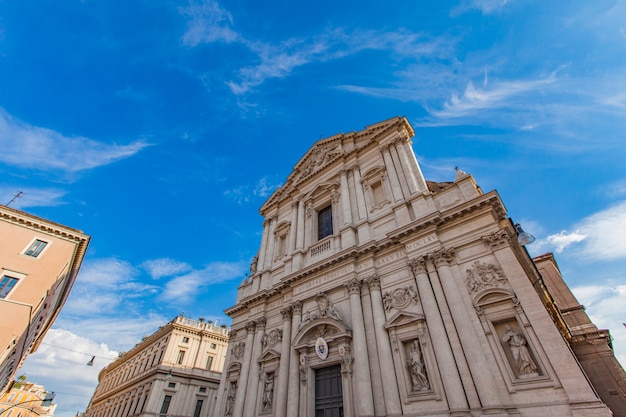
x=321, y=348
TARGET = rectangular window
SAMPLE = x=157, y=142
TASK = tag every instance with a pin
x=202, y=390
x=325, y=222
x=196, y=413
x=185, y=340
x=209, y=362
x=6, y=285
x=165, y=406
x=181, y=356
x=171, y=384
x=36, y=248
x=213, y=346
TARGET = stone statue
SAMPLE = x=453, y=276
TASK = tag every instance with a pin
x=230, y=401
x=268, y=392
x=521, y=356
x=253, y=265
x=416, y=368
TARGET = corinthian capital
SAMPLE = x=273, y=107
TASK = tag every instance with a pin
x=443, y=256
x=251, y=326
x=353, y=286
x=297, y=307
x=418, y=265
x=373, y=282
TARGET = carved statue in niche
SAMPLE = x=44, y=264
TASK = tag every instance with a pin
x=524, y=364
x=268, y=391
x=483, y=276
x=419, y=379
x=230, y=400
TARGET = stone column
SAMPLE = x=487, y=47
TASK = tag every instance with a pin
x=392, y=174
x=269, y=256
x=263, y=249
x=293, y=227
x=283, y=372
x=345, y=198
x=453, y=386
x=360, y=194
x=253, y=380
x=407, y=166
x=480, y=368
x=300, y=232
x=293, y=397
x=242, y=384
x=385, y=357
x=364, y=397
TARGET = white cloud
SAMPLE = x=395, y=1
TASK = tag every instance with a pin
x=597, y=237
x=563, y=239
x=69, y=352
x=164, y=267
x=181, y=289
x=485, y=6
x=474, y=100
x=28, y=146
x=605, y=306
x=106, y=286
x=207, y=22
x=240, y=194
x=263, y=189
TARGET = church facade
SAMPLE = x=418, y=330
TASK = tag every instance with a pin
x=378, y=293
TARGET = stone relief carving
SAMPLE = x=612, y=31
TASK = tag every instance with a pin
x=303, y=369
x=230, y=399
x=417, y=370
x=237, y=350
x=523, y=361
x=399, y=298
x=325, y=309
x=272, y=338
x=319, y=157
x=483, y=276
x=346, y=364
x=334, y=196
x=268, y=391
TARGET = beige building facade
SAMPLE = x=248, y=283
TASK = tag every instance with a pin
x=174, y=372
x=39, y=262
x=378, y=293
x=26, y=399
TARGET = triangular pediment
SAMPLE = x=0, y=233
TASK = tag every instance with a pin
x=269, y=355
x=325, y=151
x=402, y=319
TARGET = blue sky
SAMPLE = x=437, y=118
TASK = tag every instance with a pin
x=160, y=127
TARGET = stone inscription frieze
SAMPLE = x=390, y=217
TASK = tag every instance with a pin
x=323, y=279
x=421, y=242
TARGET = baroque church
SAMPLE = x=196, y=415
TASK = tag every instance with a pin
x=378, y=293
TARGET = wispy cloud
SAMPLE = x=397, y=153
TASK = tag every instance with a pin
x=207, y=22
x=485, y=6
x=165, y=267
x=31, y=197
x=599, y=236
x=243, y=194
x=181, y=289
x=104, y=285
x=476, y=99
x=29, y=146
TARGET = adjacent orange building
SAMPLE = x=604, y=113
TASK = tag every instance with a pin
x=39, y=262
